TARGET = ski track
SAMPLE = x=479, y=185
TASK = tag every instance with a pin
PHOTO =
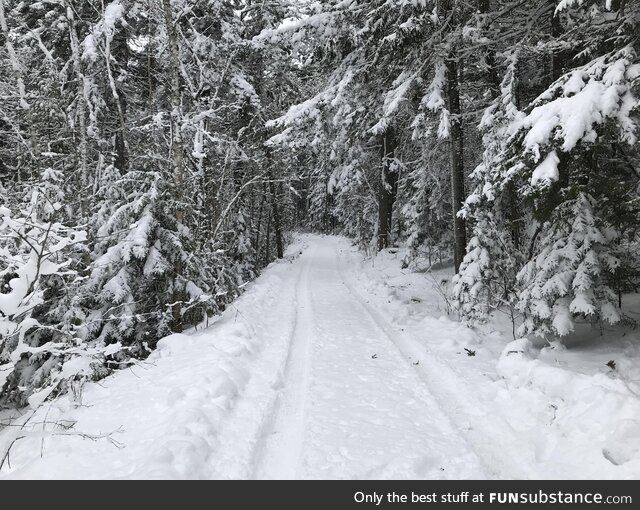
x=456, y=401
x=349, y=403
x=323, y=369
x=279, y=451
x=240, y=440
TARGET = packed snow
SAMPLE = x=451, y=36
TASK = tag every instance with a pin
x=337, y=365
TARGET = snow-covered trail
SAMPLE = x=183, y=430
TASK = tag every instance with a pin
x=299, y=378
x=351, y=405
x=332, y=365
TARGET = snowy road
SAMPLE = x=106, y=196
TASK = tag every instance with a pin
x=350, y=404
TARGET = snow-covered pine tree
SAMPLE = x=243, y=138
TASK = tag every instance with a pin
x=37, y=255
x=366, y=53
x=567, y=278
x=541, y=162
x=576, y=124
x=551, y=157
x=127, y=294
x=487, y=276
x=102, y=116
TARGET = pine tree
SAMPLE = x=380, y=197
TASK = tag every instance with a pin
x=567, y=279
x=37, y=259
x=550, y=157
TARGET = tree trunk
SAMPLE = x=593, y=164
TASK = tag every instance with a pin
x=259, y=221
x=177, y=151
x=13, y=59
x=82, y=107
x=275, y=208
x=267, y=247
x=388, y=189
x=456, y=161
x=493, y=81
x=491, y=68
x=119, y=49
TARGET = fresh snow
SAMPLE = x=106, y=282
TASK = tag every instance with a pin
x=333, y=365
x=591, y=95
x=113, y=13
x=547, y=171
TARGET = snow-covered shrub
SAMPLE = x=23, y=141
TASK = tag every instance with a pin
x=37, y=351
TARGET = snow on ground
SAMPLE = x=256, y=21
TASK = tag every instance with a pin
x=165, y=417
x=530, y=409
x=332, y=365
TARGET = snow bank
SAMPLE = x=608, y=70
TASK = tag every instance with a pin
x=162, y=418
x=596, y=417
x=531, y=411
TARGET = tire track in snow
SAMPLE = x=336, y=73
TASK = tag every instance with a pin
x=388, y=333
x=242, y=437
x=278, y=454
x=359, y=418
x=275, y=433
x=440, y=387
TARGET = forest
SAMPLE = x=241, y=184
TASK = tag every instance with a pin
x=156, y=155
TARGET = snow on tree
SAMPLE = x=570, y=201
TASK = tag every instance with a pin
x=167, y=244
x=488, y=271
x=586, y=107
x=567, y=278
x=36, y=254
x=544, y=182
